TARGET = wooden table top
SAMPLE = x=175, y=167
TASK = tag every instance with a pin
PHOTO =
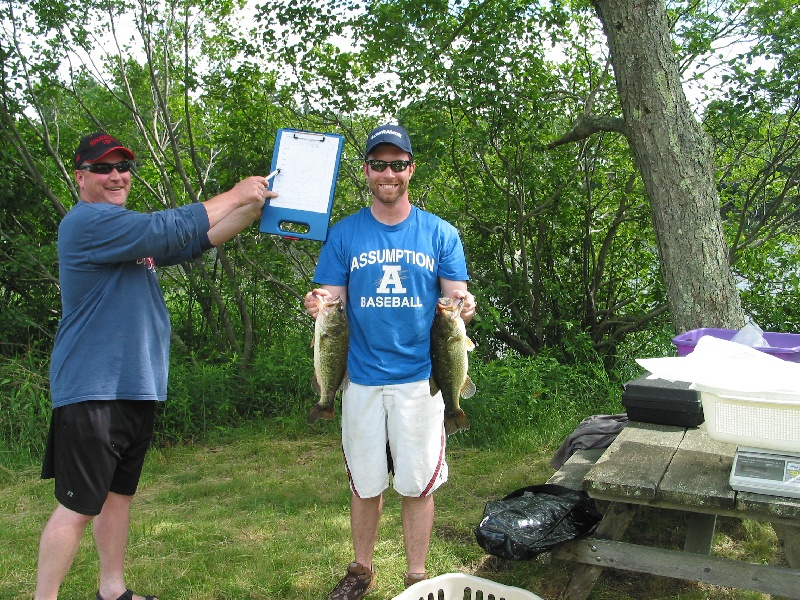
x=679, y=468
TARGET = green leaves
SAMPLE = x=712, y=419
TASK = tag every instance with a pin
x=558, y=234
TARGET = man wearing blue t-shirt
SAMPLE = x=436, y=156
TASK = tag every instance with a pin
x=390, y=263
x=111, y=353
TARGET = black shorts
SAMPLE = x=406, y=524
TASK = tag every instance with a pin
x=97, y=447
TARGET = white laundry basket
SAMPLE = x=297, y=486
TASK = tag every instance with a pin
x=458, y=586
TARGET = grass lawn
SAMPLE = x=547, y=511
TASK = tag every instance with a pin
x=256, y=513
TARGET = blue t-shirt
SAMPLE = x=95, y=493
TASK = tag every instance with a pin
x=392, y=277
x=113, y=339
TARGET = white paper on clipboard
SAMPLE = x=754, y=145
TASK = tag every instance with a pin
x=309, y=166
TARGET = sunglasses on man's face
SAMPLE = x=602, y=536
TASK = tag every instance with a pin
x=122, y=166
x=398, y=166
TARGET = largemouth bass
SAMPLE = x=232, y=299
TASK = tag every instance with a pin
x=331, y=343
x=449, y=362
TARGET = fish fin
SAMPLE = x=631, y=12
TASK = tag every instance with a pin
x=345, y=382
x=315, y=384
x=320, y=412
x=468, y=389
x=434, y=387
x=455, y=422
x=470, y=345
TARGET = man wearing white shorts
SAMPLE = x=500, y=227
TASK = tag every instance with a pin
x=390, y=263
x=405, y=417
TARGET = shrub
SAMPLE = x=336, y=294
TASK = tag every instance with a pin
x=200, y=398
x=24, y=407
x=529, y=402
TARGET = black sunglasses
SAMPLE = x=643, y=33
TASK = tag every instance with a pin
x=398, y=166
x=122, y=166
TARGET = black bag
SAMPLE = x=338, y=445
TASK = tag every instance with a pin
x=535, y=519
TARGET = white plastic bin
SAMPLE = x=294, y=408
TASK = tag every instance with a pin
x=458, y=586
x=770, y=421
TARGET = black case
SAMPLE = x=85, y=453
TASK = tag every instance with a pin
x=662, y=402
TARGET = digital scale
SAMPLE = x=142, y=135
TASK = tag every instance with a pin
x=770, y=472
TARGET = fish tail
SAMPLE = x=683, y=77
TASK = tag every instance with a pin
x=320, y=411
x=455, y=421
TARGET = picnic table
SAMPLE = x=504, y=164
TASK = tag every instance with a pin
x=680, y=469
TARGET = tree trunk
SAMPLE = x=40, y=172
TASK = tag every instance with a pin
x=676, y=163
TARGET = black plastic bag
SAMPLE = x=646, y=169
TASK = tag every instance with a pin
x=535, y=519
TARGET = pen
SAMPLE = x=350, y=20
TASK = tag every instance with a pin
x=271, y=175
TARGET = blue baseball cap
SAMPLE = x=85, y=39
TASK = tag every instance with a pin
x=388, y=134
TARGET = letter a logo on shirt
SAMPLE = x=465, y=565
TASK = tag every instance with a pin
x=391, y=279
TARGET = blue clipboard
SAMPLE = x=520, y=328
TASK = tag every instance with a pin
x=308, y=166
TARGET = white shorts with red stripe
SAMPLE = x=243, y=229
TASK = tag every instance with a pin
x=411, y=421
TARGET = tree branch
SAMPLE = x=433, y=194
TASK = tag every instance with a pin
x=588, y=124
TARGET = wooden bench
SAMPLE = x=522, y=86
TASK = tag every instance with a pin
x=574, y=470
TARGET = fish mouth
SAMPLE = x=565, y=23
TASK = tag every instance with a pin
x=323, y=301
x=448, y=304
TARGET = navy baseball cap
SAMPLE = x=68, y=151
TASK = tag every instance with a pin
x=96, y=145
x=388, y=134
